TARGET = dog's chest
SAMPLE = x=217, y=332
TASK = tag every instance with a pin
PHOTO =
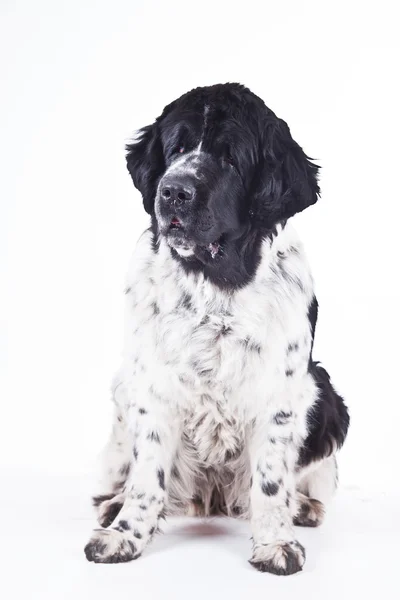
x=214, y=356
x=211, y=349
x=214, y=430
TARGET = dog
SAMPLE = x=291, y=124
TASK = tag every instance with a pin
x=220, y=408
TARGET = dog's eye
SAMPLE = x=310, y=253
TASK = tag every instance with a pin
x=181, y=149
x=229, y=160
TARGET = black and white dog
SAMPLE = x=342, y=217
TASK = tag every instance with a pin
x=219, y=406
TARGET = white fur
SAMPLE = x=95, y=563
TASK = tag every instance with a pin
x=202, y=403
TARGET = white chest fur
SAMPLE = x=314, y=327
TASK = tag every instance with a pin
x=219, y=358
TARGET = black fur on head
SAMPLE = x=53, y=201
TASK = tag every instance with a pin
x=218, y=171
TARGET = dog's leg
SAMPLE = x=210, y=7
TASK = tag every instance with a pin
x=115, y=463
x=316, y=484
x=156, y=434
x=273, y=454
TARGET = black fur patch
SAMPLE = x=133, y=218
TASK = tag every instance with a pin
x=328, y=420
x=225, y=330
x=269, y=488
x=282, y=417
x=161, y=478
x=125, y=469
x=293, y=347
x=186, y=301
x=251, y=345
x=154, y=437
x=142, y=411
x=175, y=473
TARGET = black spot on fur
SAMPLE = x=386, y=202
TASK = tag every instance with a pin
x=289, y=372
x=225, y=330
x=293, y=347
x=124, y=525
x=127, y=290
x=232, y=454
x=269, y=488
x=125, y=469
x=152, y=530
x=135, y=452
x=312, y=319
x=251, y=345
x=143, y=507
x=137, y=534
x=175, y=473
x=237, y=510
x=152, y=499
x=142, y=411
x=272, y=440
x=155, y=307
x=154, y=437
x=186, y=301
x=282, y=417
x=161, y=478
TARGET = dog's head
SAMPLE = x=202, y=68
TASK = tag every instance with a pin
x=217, y=167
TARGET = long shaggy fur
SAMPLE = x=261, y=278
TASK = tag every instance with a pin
x=219, y=405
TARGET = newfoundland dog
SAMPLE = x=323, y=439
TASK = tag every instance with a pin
x=220, y=408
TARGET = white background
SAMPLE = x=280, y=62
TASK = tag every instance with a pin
x=77, y=78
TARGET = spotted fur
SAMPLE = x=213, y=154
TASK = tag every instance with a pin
x=219, y=407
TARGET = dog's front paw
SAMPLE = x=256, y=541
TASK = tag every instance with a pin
x=279, y=558
x=110, y=546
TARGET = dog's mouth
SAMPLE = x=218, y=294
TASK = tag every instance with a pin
x=175, y=223
x=178, y=239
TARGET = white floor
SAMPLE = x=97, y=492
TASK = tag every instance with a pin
x=47, y=521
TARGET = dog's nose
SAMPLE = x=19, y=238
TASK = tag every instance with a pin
x=177, y=193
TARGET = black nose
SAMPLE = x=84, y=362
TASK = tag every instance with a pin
x=176, y=192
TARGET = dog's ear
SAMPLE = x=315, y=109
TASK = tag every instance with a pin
x=286, y=181
x=145, y=162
